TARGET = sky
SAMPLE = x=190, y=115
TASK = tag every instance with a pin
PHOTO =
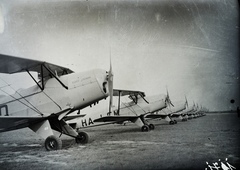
x=189, y=47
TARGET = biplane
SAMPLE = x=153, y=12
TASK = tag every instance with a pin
x=186, y=114
x=191, y=113
x=132, y=111
x=46, y=106
x=164, y=114
x=181, y=111
x=178, y=112
x=197, y=112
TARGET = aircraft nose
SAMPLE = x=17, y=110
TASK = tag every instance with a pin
x=102, y=78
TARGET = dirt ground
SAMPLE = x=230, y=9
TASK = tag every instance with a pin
x=185, y=145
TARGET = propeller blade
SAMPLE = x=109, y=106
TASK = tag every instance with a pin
x=186, y=101
x=171, y=102
x=110, y=87
x=168, y=99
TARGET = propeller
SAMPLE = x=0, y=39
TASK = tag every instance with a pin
x=110, y=87
x=194, y=105
x=168, y=99
x=186, y=101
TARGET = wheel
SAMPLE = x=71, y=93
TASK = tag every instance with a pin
x=151, y=126
x=145, y=128
x=53, y=143
x=171, y=122
x=175, y=122
x=82, y=138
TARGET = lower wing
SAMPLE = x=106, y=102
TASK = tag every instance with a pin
x=116, y=119
x=8, y=123
x=156, y=116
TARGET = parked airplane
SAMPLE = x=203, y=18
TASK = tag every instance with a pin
x=133, y=111
x=45, y=106
x=186, y=113
x=198, y=112
x=191, y=114
x=165, y=113
x=178, y=112
x=162, y=115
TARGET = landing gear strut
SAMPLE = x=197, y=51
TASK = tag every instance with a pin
x=53, y=143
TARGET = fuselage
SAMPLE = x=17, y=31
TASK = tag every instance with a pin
x=83, y=89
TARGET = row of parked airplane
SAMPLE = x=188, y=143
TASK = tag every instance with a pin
x=58, y=93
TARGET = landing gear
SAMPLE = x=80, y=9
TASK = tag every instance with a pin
x=171, y=122
x=82, y=138
x=151, y=126
x=175, y=122
x=145, y=128
x=53, y=143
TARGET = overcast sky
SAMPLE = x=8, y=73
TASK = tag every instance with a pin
x=190, y=46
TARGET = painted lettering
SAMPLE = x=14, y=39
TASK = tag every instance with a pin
x=90, y=122
x=84, y=123
x=85, y=78
x=75, y=81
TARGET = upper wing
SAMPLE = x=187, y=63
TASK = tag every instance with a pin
x=133, y=95
x=10, y=65
x=117, y=92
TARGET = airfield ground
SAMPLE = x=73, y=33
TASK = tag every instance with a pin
x=186, y=145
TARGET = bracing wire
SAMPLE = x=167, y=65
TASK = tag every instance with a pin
x=32, y=108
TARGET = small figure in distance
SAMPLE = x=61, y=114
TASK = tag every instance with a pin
x=238, y=111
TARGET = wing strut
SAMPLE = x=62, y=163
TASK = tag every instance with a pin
x=143, y=98
x=41, y=86
x=119, y=98
x=134, y=97
x=66, y=87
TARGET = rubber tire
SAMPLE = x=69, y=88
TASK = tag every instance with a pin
x=82, y=138
x=151, y=126
x=145, y=128
x=53, y=143
x=171, y=122
x=175, y=122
